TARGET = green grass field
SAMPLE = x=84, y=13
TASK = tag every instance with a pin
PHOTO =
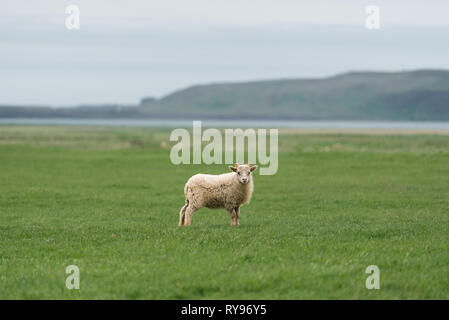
x=108, y=199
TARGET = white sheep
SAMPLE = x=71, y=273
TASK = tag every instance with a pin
x=227, y=190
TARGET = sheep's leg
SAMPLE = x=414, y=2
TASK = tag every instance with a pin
x=182, y=214
x=233, y=217
x=188, y=215
x=237, y=216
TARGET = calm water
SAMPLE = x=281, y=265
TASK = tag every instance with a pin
x=404, y=125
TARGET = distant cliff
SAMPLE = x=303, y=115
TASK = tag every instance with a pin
x=412, y=95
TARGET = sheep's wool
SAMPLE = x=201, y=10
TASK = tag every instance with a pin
x=217, y=191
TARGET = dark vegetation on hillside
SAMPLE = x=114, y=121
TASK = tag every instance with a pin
x=412, y=95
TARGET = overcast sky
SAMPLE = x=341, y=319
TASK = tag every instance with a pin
x=126, y=50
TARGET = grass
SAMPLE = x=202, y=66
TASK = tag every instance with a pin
x=108, y=199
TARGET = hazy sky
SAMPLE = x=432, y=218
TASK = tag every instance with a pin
x=129, y=49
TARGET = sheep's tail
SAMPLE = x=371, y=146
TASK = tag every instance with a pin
x=182, y=213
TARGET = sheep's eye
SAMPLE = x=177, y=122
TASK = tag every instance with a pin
x=238, y=173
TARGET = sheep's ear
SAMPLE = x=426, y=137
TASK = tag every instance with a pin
x=233, y=168
x=253, y=168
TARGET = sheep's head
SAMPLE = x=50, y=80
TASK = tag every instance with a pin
x=243, y=172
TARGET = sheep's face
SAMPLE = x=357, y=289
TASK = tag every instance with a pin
x=243, y=172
